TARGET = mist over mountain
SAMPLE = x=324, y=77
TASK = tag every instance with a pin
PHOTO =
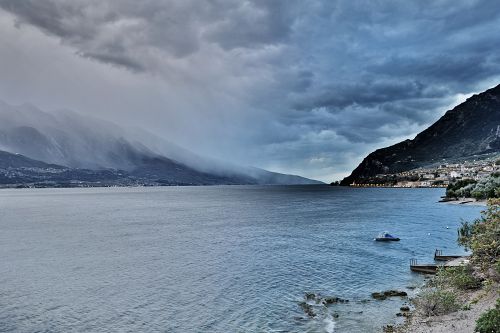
x=468, y=130
x=69, y=139
x=16, y=161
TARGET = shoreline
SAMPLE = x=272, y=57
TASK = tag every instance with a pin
x=475, y=302
x=466, y=201
x=454, y=299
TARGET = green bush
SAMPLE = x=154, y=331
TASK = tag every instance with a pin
x=489, y=322
x=486, y=188
x=483, y=236
x=460, y=277
x=465, y=234
x=454, y=187
x=436, y=302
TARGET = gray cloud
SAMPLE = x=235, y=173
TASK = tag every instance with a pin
x=302, y=86
x=126, y=32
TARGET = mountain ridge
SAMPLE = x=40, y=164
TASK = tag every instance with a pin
x=79, y=142
x=470, y=128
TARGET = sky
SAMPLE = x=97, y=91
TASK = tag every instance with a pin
x=297, y=86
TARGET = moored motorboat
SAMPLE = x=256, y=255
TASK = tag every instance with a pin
x=386, y=237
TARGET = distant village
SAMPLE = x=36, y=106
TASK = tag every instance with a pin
x=438, y=176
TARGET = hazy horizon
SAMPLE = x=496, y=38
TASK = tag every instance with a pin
x=298, y=87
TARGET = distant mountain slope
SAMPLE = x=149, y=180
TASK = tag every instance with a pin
x=470, y=128
x=14, y=161
x=19, y=170
x=81, y=143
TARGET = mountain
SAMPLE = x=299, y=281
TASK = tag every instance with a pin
x=94, y=149
x=15, y=161
x=471, y=128
x=19, y=170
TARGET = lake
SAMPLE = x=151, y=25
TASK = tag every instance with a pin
x=213, y=259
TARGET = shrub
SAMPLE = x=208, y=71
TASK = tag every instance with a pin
x=460, y=277
x=454, y=187
x=488, y=187
x=489, y=322
x=436, y=302
x=465, y=191
x=483, y=236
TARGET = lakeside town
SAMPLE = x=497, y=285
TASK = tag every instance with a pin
x=440, y=175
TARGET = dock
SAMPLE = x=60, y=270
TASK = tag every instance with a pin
x=423, y=268
x=433, y=268
x=438, y=256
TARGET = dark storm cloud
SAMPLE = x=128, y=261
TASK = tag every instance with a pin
x=338, y=96
x=115, y=59
x=310, y=84
x=116, y=30
x=460, y=70
x=254, y=24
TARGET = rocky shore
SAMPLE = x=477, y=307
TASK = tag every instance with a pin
x=465, y=201
x=462, y=321
x=463, y=298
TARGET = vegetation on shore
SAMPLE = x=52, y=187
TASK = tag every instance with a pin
x=447, y=291
x=486, y=188
x=489, y=321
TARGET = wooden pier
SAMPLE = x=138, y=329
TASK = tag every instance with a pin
x=423, y=268
x=450, y=261
x=438, y=256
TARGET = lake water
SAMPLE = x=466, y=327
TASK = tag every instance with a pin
x=212, y=259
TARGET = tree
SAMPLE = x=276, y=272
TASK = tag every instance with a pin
x=483, y=236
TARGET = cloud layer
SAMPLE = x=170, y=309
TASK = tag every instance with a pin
x=297, y=86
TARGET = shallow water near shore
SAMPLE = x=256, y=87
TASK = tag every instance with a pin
x=213, y=259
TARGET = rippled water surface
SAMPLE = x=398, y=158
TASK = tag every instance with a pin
x=212, y=259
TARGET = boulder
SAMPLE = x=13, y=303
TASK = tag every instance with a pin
x=333, y=300
x=308, y=309
x=389, y=293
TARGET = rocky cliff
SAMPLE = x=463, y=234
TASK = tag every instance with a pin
x=471, y=128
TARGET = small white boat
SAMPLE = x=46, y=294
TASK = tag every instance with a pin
x=386, y=237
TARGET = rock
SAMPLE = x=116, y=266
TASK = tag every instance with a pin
x=494, y=274
x=391, y=293
x=403, y=314
x=389, y=329
x=333, y=300
x=404, y=308
x=379, y=296
x=308, y=309
x=310, y=296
